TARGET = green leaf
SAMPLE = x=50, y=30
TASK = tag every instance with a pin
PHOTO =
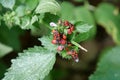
x=82, y=37
x=17, y=20
x=21, y=1
x=1, y=17
x=73, y=14
x=10, y=37
x=50, y=18
x=84, y=31
x=67, y=11
x=108, y=16
x=40, y=30
x=31, y=5
x=27, y=8
x=20, y=10
x=83, y=14
x=46, y=42
x=34, y=19
x=79, y=0
x=82, y=27
x=34, y=64
x=108, y=66
x=4, y=49
x=8, y=3
x=3, y=68
x=76, y=14
x=48, y=6
x=25, y=22
x=44, y=28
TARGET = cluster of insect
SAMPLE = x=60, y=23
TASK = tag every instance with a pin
x=62, y=34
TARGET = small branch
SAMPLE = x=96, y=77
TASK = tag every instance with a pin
x=83, y=48
x=78, y=45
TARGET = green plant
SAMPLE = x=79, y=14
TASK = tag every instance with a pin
x=61, y=30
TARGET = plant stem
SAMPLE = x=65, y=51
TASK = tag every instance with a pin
x=74, y=33
x=78, y=45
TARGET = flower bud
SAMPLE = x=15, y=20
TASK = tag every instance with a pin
x=64, y=36
x=69, y=31
x=53, y=24
x=60, y=48
x=77, y=60
x=54, y=41
x=54, y=31
x=72, y=28
x=75, y=56
x=66, y=23
x=69, y=52
x=62, y=41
